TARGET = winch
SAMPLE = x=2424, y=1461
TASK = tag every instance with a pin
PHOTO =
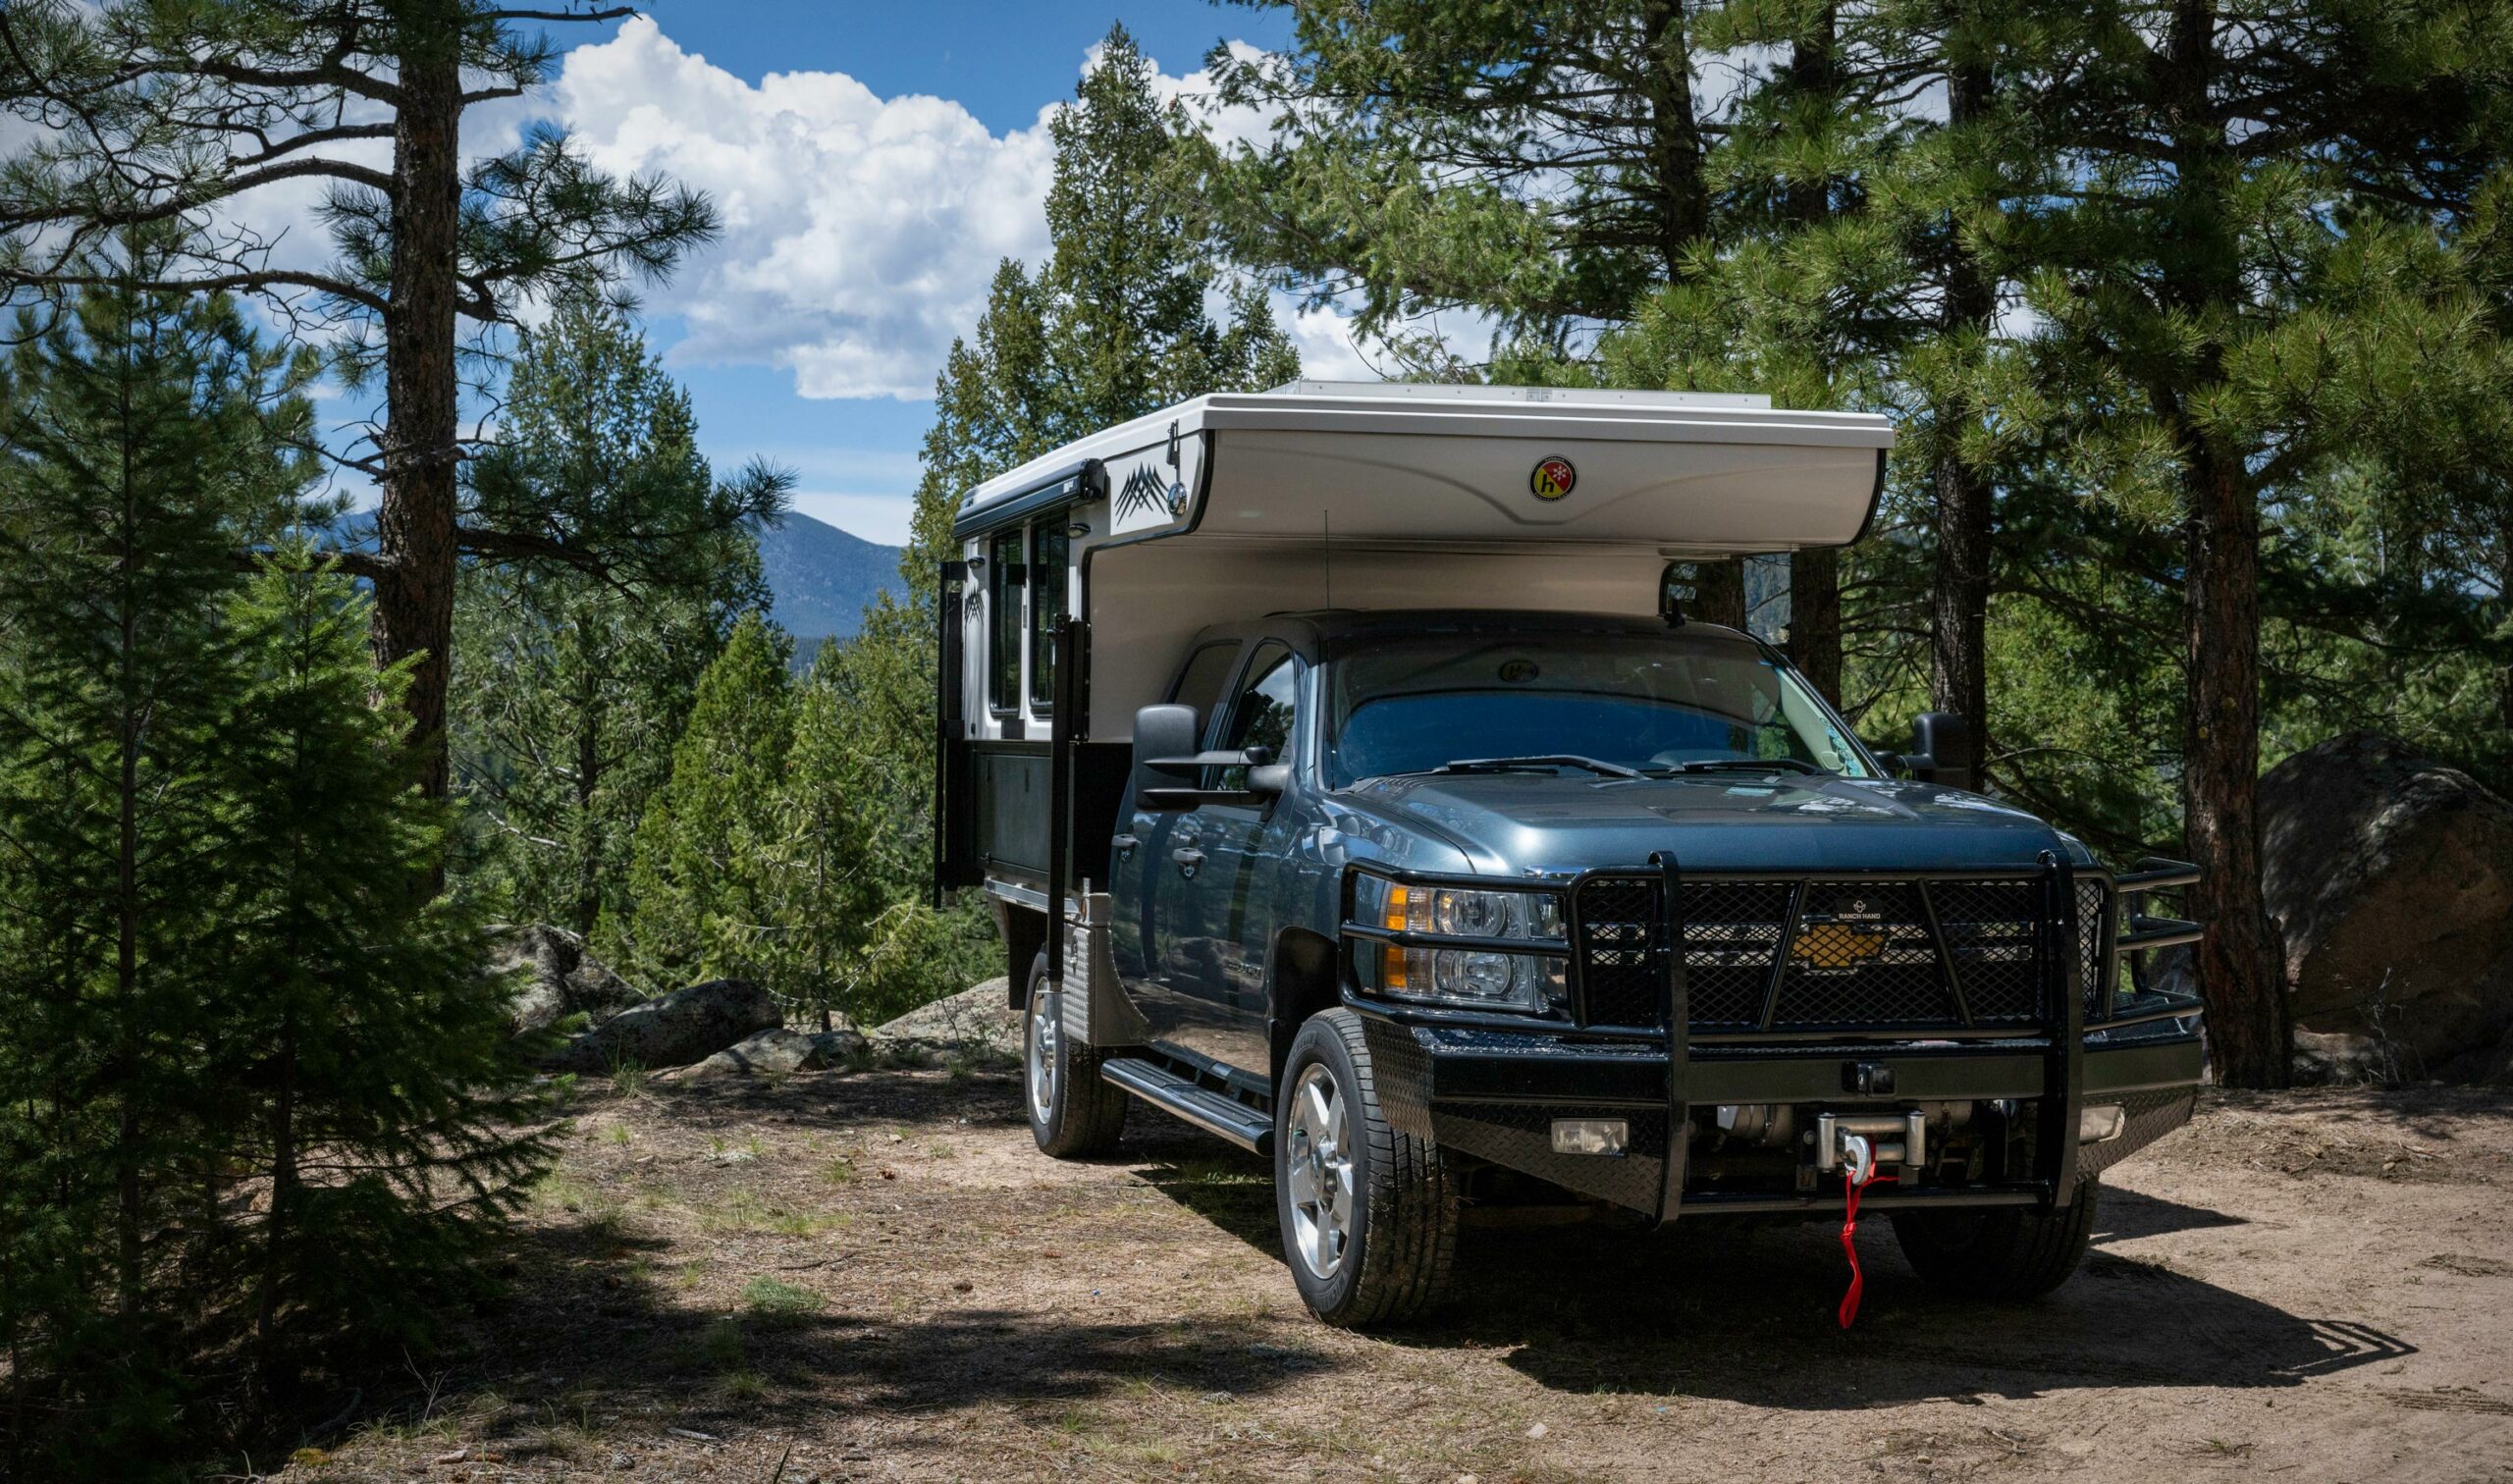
x=1896, y=1138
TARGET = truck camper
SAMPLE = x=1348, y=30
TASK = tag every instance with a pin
x=1347, y=779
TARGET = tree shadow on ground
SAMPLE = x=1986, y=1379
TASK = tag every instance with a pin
x=591, y=1328
x=587, y=1332
x=1744, y=1312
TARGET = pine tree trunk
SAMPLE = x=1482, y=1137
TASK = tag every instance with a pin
x=1815, y=577
x=1815, y=619
x=415, y=526
x=128, y=909
x=275, y=1235
x=1718, y=592
x=1959, y=600
x=1681, y=208
x=2239, y=963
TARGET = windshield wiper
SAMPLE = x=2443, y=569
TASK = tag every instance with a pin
x=1754, y=764
x=1549, y=760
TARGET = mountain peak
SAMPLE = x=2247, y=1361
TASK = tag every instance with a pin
x=821, y=577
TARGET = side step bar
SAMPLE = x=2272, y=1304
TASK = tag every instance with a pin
x=1213, y=1112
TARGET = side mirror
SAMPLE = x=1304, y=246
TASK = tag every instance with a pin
x=1942, y=750
x=1169, y=772
x=1165, y=735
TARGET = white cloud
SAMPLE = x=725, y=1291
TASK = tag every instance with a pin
x=859, y=232
x=1324, y=340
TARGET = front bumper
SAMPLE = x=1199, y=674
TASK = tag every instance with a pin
x=1495, y=1095
x=2011, y=1089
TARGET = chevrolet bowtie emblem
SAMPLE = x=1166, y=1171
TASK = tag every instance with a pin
x=1835, y=945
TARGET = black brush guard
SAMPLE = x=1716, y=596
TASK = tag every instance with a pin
x=1484, y=1081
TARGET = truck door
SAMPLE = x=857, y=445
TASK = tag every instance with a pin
x=1224, y=874
x=1147, y=886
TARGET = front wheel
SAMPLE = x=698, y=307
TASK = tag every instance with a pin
x=1368, y=1214
x=1073, y=1113
x=2003, y=1255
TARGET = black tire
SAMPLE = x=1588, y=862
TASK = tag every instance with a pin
x=1399, y=1238
x=2000, y=1255
x=1078, y=1115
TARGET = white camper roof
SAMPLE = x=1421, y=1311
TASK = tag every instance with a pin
x=1670, y=473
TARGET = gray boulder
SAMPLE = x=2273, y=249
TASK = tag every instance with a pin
x=776, y=1052
x=2391, y=879
x=684, y=1027
x=553, y=977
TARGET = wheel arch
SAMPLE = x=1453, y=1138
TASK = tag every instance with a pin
x=1024, y=931
x=1303, y=977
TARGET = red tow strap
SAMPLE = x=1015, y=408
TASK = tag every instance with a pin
x=1849, y=1245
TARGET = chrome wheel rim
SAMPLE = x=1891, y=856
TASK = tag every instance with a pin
x=1043, y=1055
x=1318, y=1172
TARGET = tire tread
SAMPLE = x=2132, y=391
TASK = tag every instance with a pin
x=1090, y=1113
x=2013, y=1255
x=1412, y=1250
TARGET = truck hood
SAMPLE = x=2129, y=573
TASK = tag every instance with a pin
x=1522, y=823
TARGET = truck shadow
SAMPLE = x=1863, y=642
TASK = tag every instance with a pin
x=1747, y=1313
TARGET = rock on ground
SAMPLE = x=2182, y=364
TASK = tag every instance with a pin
x=2391, y=878
x=777, y=1051
x=684, y=1027
x=555, y=977
x=980, y=1018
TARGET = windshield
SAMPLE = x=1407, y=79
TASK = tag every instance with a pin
x=1637, y=701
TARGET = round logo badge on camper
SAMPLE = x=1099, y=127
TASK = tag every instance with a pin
x=1553, y=479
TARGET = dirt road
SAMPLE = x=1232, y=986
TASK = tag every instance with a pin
x=873, y=1276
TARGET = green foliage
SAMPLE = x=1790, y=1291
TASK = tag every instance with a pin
x=388, y=1095
x=1112, y=327
x=255, y=1103
x=571, y=686
x=165, y=92
x=699, y=898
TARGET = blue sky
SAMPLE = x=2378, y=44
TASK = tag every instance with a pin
x=873, y=162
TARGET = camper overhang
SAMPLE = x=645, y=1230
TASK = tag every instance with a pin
x=1393, y=463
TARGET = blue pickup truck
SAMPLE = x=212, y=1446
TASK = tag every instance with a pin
x=1429, y=850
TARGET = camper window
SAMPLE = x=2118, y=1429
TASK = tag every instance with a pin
x=1049, y=548
x=1005, y=578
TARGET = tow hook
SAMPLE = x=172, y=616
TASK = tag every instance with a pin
x=1896, y=1138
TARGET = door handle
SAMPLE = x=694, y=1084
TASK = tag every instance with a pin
x=1125, y=844
x=1188, y=859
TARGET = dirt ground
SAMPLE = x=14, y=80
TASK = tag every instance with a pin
x=873, y=1275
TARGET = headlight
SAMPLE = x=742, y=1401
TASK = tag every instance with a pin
x=1484, y=979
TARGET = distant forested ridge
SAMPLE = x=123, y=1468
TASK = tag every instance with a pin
x=820, y=579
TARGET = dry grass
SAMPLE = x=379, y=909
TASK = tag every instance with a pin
x=873, y=1274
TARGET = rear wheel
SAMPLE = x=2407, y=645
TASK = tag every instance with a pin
x=1368, y=1214
x=2007, y=1254
x=1072, y=1114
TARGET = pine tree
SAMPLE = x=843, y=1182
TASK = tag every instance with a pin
x=844, y=932
x=137, y=456
x=383, y=1094
x=701, y=901
x=573, y=687
x=2195, y=236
